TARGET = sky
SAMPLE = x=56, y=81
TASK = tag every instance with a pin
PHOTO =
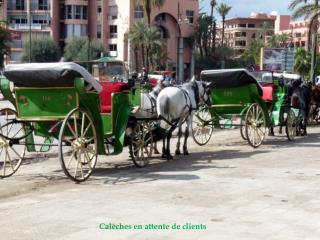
x=243, y=8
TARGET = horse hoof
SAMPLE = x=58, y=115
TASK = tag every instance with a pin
x=169, y=157
x=163, y=156
x=155, y=151
x=178, y=152
x=185, y=153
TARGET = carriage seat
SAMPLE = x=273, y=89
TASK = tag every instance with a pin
x=106, y=94
x=267, y=94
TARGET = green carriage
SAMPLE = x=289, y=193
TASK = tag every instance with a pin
x=63, y=101
x=275, y=94
x=237, y=101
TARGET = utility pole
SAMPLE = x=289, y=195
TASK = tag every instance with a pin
x=30, y=39
x=314, y=47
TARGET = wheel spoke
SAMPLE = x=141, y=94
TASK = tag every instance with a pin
x=71, y=158
x=70, y=128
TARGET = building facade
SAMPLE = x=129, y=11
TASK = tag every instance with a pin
x=107, y=20
x=240, y=31
x=297, y=30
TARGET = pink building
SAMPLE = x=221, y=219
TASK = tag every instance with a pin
x=240, y=31
x=108, y=20
x=297, y=30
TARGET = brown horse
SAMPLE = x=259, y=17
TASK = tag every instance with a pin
x=315, y=104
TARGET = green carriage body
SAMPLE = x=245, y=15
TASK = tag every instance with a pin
x=47, y=106
x=232, y=92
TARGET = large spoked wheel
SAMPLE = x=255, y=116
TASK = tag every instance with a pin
x=255, y=125
x=12, y=142
x=78, y=145
x=141, y=144
x=291, y=127
x=243, y=127
x=202, y=127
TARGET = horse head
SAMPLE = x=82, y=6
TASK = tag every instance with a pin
x=202, y=91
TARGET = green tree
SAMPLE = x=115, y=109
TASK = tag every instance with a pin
x=203, y=34
x=253, y=52
x=137, y=39
x=279, y=40
x=146, y=39
x=302, y=63
x=5, y=41
x=43, y=49
x=148, y=4
x=152, y=41
x=81, y=49
x=213, y=4
x=303, y=8
x=223, y=9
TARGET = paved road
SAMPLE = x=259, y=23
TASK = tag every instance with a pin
x=225, y=190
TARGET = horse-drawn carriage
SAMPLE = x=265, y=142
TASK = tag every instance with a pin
x=63, y=101
x=239, y=99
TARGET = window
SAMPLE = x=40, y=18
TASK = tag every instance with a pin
x=242, y=25
x=99, y=31
x=113, y=29
x=68, y=12
x=113, y=12
x=253, y=35
x=76, y=30
x=99, y=10
x=113, y=50
x=251, y=25
x=18, y=19
x=40, y=19
x=298, y=35
x=19, y=4
x=77, y=12
x=240, y=43
x=240, y=34
x=113, y=47
x=138, y=11
x=43, y=5
x=189, y=15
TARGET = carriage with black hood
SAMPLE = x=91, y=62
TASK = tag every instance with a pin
x=70, y=109
x=237, y=101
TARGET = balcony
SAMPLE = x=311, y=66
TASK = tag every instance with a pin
x=28, y=27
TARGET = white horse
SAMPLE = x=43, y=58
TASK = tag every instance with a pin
x=148, y=102
x=175, y=106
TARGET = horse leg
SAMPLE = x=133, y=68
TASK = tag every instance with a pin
x=186, y=135
x=164, y=147
x=168, y=155
x=179, y=137
x=155, y=148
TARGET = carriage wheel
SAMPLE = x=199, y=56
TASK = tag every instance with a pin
x=78, y=145
x=255, y=125
x=141, y=144
x=243, y=127
x=12, y=142
x=202, y=128
x=291, y=125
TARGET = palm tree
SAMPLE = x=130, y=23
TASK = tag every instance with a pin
x=213, y=4
x=223, y=9
x=152, y=40
x=137, y=38
x=309, y=11
x=148, y=4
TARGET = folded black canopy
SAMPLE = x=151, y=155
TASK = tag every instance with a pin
x=49, y=75
x=229, y=78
